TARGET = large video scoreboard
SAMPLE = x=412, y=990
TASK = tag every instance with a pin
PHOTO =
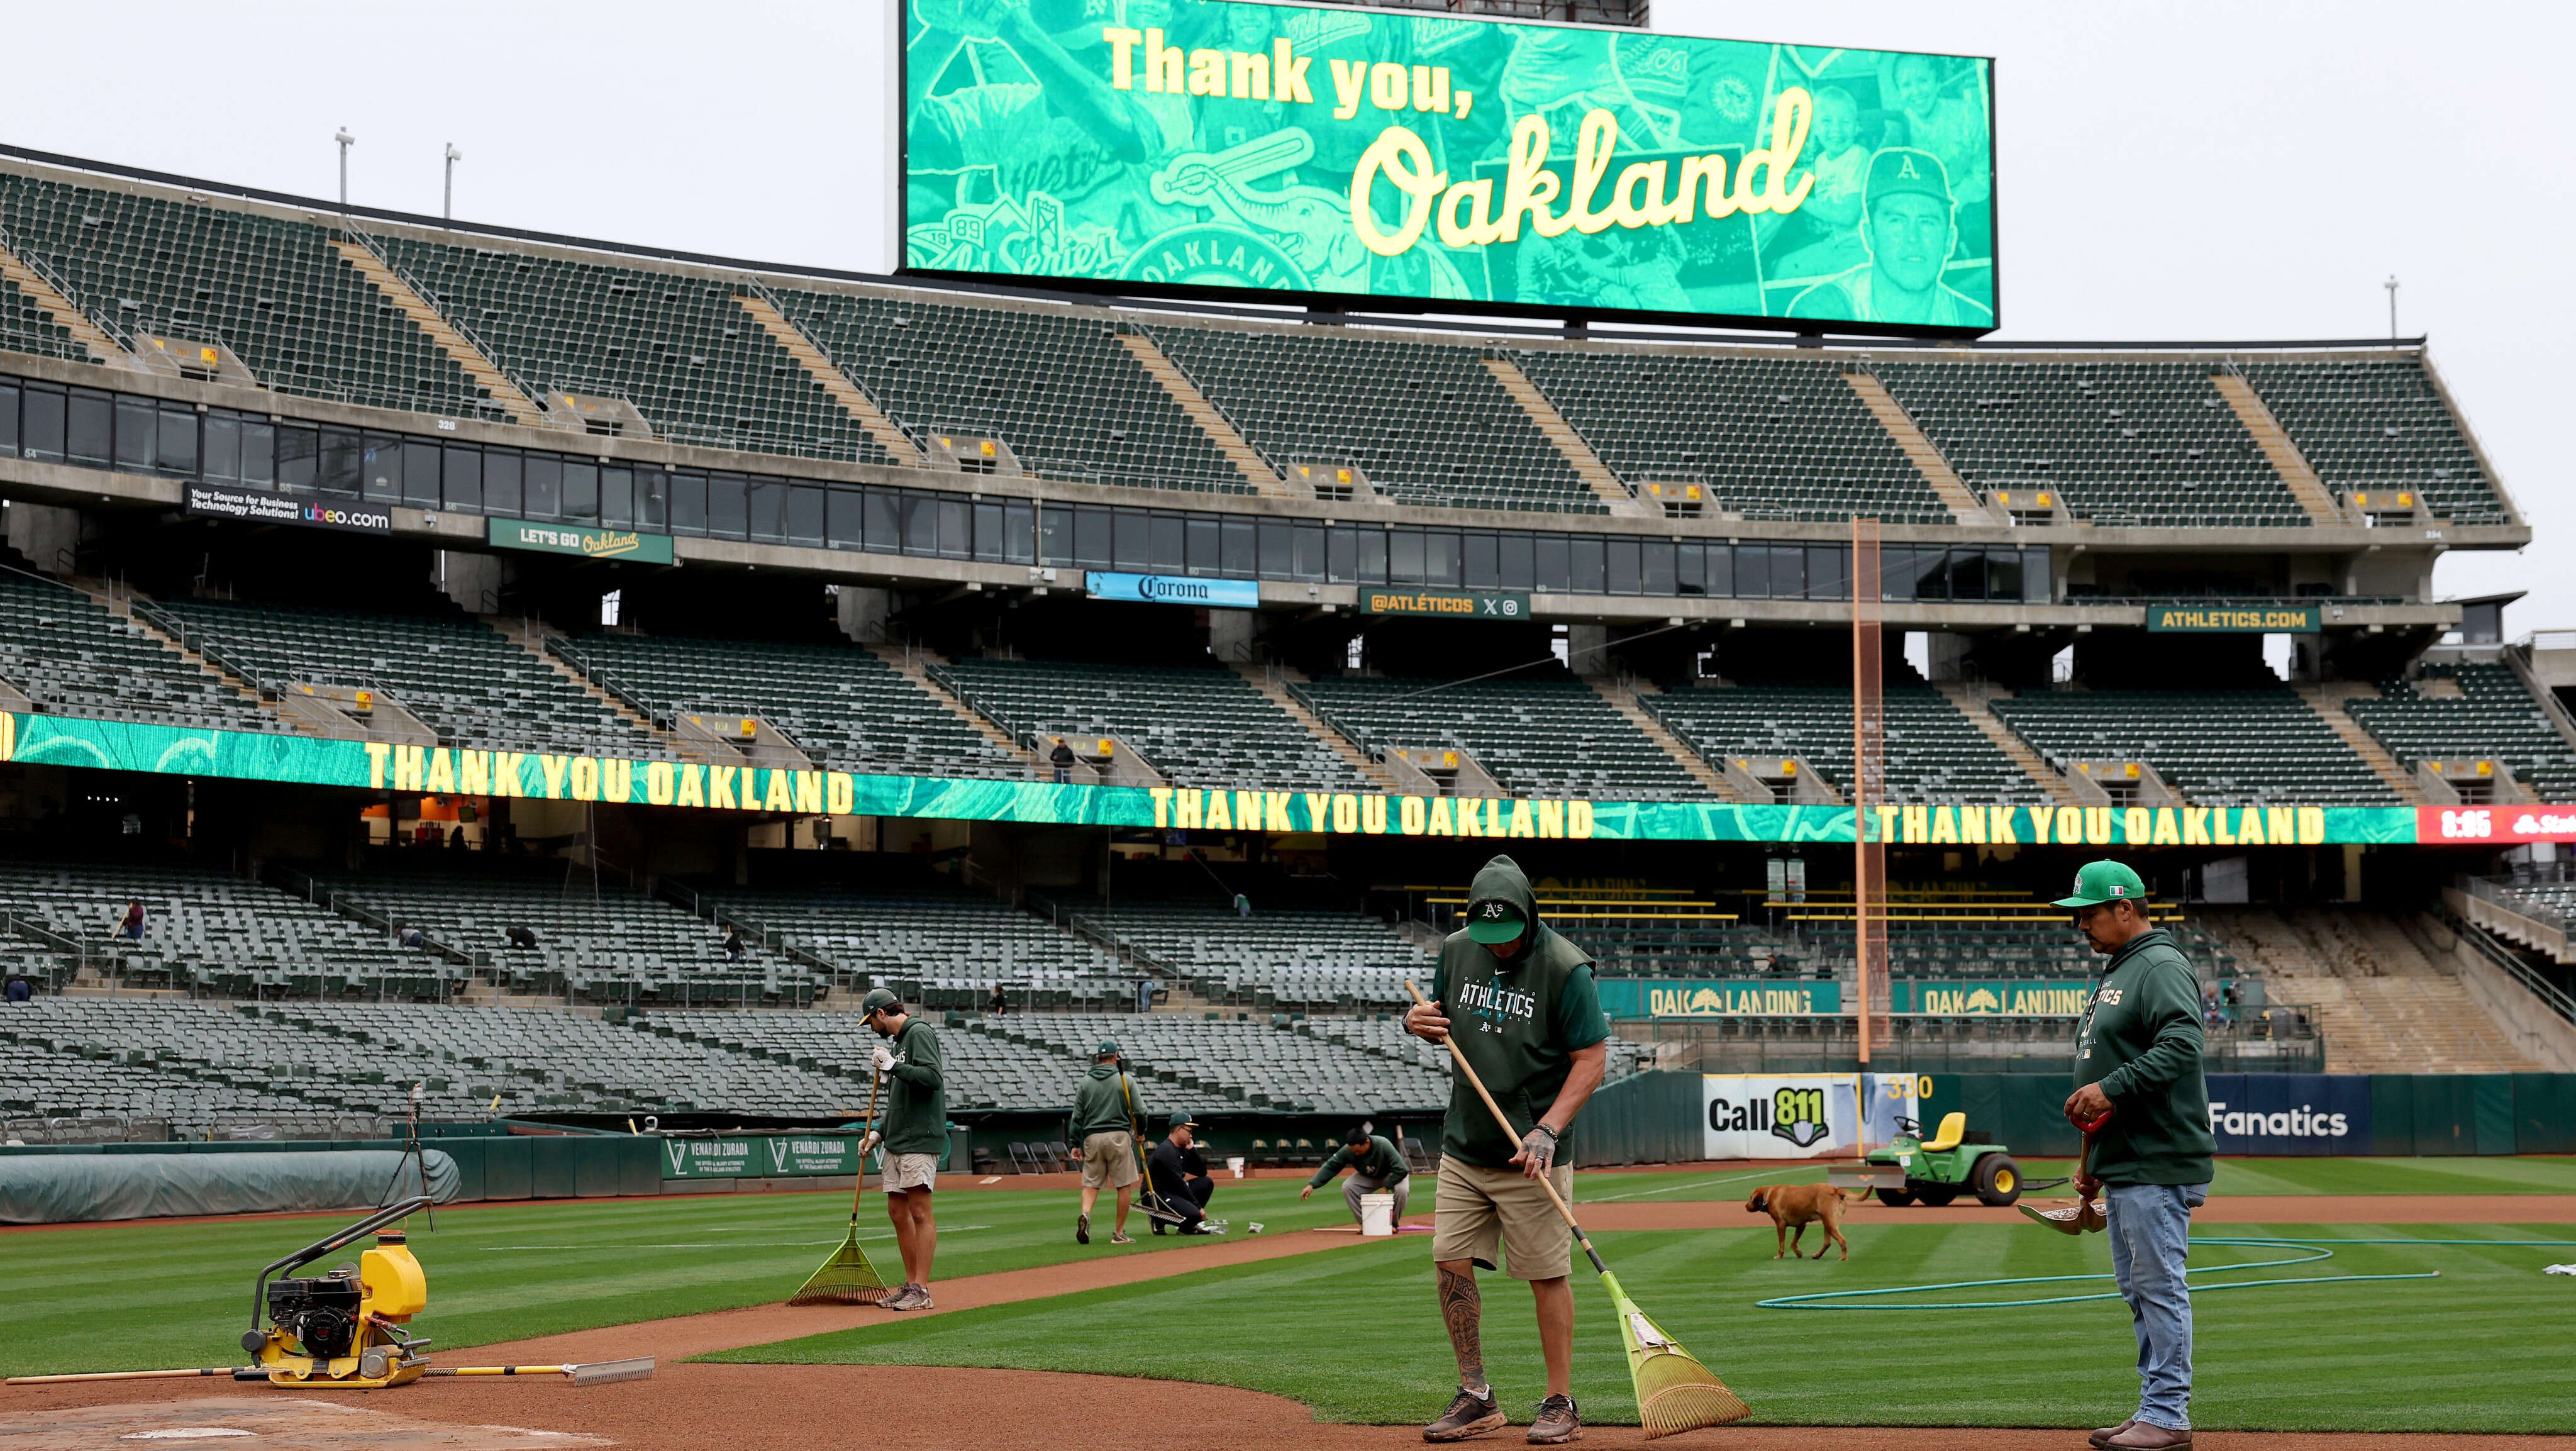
x=1399, y=161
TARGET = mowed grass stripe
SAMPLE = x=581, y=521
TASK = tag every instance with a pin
x=2527, y=1174
x=143, y=1296
x=1356, y=1335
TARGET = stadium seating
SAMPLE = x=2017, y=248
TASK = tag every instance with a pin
x=2493, y=716
x=1277, y=956
x=596, y=942
x=215, y=933
x=24, y=328
x=2379, y=424
x=2217, y=747
x=1547, y=736
x=979, y=1070
x=273, y=291
x=1773, y=438
x=674, y=344
x=1425, y=422
x=1199, y=726
x=1932, y=752
x=1204, y=1065
x=842, y=705
x=1056, y=386
x=1636, y=949
x=938, y=946
x=2121, y=442
x=464, y=680
x=72, y=656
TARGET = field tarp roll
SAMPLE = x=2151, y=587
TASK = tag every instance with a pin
x=75, y=1188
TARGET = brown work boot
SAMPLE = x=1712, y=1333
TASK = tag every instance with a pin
x=2103, y=1436
x=1557, y=1423
x=2148, y=1436
x=1468, y=1415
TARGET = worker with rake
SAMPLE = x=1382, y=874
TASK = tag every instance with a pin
x=2141, y=1096
x=914, y=1134
x=1516, y=1004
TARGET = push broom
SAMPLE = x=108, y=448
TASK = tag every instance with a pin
x=847, y=1278
x=1675, y=1393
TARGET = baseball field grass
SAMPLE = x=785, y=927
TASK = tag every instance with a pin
x=2530, y=1174
x=1355, y=1333
x=129, y=1297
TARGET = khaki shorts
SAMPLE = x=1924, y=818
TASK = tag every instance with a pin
x=1482, y=1208
x=909, y=1171
x=1109, y=1159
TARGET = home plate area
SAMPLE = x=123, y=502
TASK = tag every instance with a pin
x=259, y=1424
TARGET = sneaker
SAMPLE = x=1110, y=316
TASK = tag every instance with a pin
x=920, y=1298
x=1557, y=1422
x=1468, y=1415
x=1082, y=1229
x=1158, y=1227
x=901, y=1299
x=1120, y=1237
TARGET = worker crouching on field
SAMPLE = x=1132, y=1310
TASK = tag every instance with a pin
x=913, y=1133
x=1178, y=1175
x=2138, y=1059
x=1376, y=1167
x=1518, y=1002
x=1104, y=1143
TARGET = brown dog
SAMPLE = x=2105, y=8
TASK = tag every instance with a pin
x=1800, y=1205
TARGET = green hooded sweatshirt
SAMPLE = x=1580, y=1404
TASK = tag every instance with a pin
x=916, y=1112
x=2140, y=1039
x=1101, y=1103
x=1518, y=1022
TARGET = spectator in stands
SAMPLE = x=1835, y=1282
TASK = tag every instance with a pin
x=409, y=936
x=1062, y=759
x=1242, y=905
x=456, y=838
x=1101, y=1130
x=19, y=989
x=914, y=1134
x=1376, y=1166
x=2138, y=1062
x=521, y=936
x=1909, y=223
x=1178, y=1176
x=998, y=1004
x=733, y=948
x=130, y=927
x=1538, y=1034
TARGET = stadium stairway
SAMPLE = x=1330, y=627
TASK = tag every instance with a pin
x=2326, y=699
x=531, y=635
x=842, y=390
x=1273, y=681
x=2382, y=1002
x=1927, y=460
x=1971, y=700
x=49, y=299
x=1257, y=471
x=913, y=663
x=1622, y=696
x=1578, y=453
x=513, y=399
x=2274, y=441
x=119, y=599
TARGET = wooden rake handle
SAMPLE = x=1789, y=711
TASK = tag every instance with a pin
x=1478, y=1084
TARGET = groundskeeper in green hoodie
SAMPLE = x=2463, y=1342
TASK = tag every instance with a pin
x=1518, y=1021
x=1100, y=1104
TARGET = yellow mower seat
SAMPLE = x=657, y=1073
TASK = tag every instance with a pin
x=1954, y=1127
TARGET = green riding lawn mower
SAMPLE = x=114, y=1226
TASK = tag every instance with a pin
x=1939, y=1169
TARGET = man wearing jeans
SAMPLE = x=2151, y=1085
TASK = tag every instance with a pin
x=2138, y=1059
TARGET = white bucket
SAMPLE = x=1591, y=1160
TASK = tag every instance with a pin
x=1377, y=1215
x=1234, y=1165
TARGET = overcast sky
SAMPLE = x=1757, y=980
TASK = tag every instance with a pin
x=2180, y=170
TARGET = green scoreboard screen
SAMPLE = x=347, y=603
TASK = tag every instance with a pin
x=1400, y=161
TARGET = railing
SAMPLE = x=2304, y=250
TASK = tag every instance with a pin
x=116, y=332
x=302, y=884
x=2473, y=894
x=452, y=316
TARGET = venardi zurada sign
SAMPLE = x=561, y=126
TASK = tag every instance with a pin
x=2234, y=620
x=580, y=540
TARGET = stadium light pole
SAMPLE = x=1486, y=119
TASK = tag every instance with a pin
x=447, y=206
x=2391, y=285
x=346, y=141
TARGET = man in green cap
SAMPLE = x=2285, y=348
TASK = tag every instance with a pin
x=1517, y=1002
x=1177, y=1174
x=1103, y=1136
x=914, y=1134
x=2138, y=1060
x=1376, y=1168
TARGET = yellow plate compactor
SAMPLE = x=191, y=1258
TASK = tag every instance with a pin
x=345, y=1328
